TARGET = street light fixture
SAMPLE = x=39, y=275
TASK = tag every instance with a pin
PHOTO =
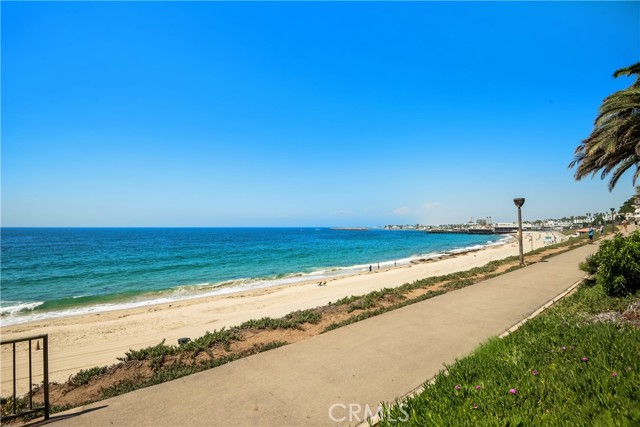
x=613, y=226
x=519, y=202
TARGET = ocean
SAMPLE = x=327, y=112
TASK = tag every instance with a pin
x=55, y=272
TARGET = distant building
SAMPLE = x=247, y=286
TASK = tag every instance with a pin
x=505, y=227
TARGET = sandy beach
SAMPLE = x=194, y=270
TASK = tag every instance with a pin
x=87, y=341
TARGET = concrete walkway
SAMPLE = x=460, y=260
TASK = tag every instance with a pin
x=338, y=377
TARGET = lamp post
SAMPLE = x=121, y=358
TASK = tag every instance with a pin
x=613, y=226
x=519, y=202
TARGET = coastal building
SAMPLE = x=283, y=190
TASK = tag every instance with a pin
x=557, y=225
x=505, y=227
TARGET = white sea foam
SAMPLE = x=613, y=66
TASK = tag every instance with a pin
x=11, y=308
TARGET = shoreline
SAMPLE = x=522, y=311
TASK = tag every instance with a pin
x=98, y=339
x=30, y=312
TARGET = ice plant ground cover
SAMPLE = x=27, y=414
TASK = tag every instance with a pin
x=564, y=367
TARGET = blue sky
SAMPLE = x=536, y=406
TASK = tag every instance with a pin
x=304, y=114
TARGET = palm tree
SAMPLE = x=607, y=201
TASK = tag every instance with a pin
x=614, y=144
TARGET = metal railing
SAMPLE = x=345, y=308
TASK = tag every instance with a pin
x=45, y=370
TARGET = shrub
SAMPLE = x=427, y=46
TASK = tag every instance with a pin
x=590, y=265
x=84, y=376
x=155, y=354
x=618, y=265
x=209, y=340
x=457, y=284
x=293, y=320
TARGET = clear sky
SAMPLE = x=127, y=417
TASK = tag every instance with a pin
x=304, y=114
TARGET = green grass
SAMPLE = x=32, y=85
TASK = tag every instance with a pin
x=543, y=363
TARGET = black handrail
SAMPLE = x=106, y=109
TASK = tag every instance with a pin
x=45, y=370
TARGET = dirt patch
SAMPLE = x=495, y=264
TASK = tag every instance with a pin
x=631, y=315
x=68, y=395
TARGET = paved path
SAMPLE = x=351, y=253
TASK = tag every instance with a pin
x=334, y=378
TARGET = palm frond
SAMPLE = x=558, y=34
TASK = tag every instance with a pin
x=621, y=169
x=628, y=71
x=613, y=147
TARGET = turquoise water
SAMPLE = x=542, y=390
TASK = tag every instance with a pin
x=53, y=272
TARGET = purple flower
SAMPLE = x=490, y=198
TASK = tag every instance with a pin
x=457, y=387
x=584, y=359
x=478, y=387
x=614, y=374
x=475, y=406
x=513, y=391
x=534, y=372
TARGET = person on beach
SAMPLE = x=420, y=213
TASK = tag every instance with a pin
x=591, y=234
x=624, y=224
x=601, y=230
